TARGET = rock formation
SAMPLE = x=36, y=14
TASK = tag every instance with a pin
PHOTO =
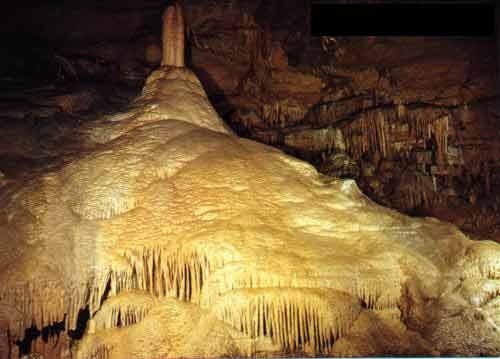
x=170, y=236
x=173, y=36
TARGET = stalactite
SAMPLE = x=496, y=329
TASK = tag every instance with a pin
x=283, y=113
x=377, y=290
x=155, y=270
x=369, y=134
x=482, y=260
x=96, y=289
x=372, y=132
x=41, y=305
x=163, y=272
x=293, y=318
x=44, y=304
x=126, y=308
x=324, y=70
x=433, y=129
x=325, y=139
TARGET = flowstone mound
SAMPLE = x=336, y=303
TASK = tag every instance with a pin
x=179, y=239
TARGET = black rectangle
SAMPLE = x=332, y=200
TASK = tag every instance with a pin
x=405, y=19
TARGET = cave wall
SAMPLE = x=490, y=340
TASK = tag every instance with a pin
x=412, y=119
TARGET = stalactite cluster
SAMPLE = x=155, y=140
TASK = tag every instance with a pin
x=482, y=261
x=324, y=140
x=295, y=318
x=377, y=132
x=38, y=305
x=433, y=129
x=376, y=291
x=163, y=272
x=124, y=309
x=282, y=113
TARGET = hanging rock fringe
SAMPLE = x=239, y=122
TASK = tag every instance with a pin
x=368, y=134
x=158, y=271
x=436, y=129
x=43, y=304
x=481, y=261
x=372, y=131
x=283, y=113
x=164, y=272
x=378, y=291
x=295, y=318
x=325, y=139
x=125, y=309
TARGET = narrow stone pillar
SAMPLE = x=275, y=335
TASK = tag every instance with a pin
x=173, y=36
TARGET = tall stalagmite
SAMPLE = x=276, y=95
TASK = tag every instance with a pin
x=173, y=36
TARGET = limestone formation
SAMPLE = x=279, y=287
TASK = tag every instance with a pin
x=173, y=36
x=179, y=239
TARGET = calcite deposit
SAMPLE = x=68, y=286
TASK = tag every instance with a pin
x=177, y=238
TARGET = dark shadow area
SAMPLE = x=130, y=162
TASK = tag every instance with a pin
x=30, y=334
x=216, y=95
x=83, y=318
x=33, y=333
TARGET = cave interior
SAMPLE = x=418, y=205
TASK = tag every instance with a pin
x=103, y=149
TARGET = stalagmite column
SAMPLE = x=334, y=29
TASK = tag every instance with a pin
x=173, y=36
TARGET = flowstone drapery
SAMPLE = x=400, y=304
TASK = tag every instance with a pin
x=182, y=240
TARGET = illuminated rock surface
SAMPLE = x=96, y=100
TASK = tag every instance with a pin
x=184, y=240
